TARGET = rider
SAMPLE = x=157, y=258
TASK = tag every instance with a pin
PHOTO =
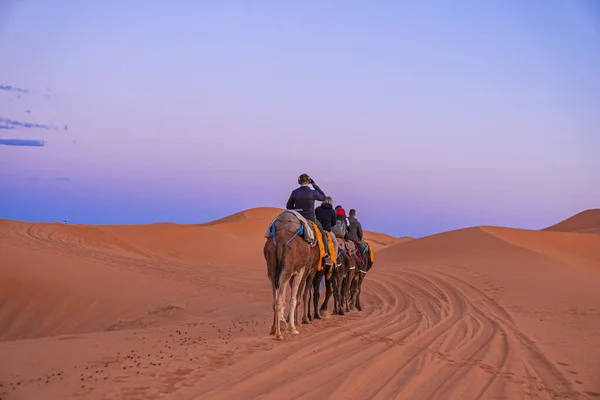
x=355, y=232
x=326, y=214
x=341, y=224
x=302, y=200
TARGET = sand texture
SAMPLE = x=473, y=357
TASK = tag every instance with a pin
x=184, y=312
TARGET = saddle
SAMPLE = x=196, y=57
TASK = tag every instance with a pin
x=366, y=249
x=357, y=247
x=350, y=247
x=333, y=251
x=292, y=221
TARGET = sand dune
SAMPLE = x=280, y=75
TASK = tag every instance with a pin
x=587, y=221
x=183, y=312
x=238, y=224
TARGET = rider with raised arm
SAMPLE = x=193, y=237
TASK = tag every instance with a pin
x=303, y=199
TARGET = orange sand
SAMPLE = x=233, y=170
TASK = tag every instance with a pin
x=184, y=312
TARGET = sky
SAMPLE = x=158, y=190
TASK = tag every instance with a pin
x=424, y=116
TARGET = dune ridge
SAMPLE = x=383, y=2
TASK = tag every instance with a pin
x=183, y=312
x=587, y=221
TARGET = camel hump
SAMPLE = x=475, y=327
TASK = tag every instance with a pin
x=287, y=222
x=291, y=221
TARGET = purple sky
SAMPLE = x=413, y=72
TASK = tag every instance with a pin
x=424, y=116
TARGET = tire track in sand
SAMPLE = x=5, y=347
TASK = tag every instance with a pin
x=422, y=335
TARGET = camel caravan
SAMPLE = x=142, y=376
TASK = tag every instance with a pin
x=305, y=246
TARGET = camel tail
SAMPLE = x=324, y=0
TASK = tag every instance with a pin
x=279, y=262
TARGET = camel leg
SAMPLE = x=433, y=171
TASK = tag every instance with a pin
x=344, y=293
x=340, y=288
x=300, y=297
x=336, y=294
x=307, y=299
x=301, y=300
x=279, y=306
x=282, y=298
x=316, y=294
x=328, y=293
x=344, y=296
x=275, y=315
x=361, y=278
x=287, y=319
x=349, y=286
x=334, y=286
x=310, y=293
x=353, y=288
x=293, y=301
x=306, y=294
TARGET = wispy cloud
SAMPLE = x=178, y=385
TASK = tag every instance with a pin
x=11, y=88
x=29, y=125
x=22, y=142
x=21, y=121
x=63, y=179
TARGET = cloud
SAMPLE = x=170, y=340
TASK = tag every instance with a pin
x=29, y=125
x=11, y=88
x=2, y=126
x=23, y=142
x=63, y=179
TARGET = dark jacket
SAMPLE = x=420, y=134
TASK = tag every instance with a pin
x=355, y=232
x=326, y=216
x=303, y=199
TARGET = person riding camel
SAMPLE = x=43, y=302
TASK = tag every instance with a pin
x=302, y=199
x=326, y=214
x=355, y=232
x=341, y=225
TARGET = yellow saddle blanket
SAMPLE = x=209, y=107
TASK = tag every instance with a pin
x=321, y=245
x=371, y=255
x=332, y=252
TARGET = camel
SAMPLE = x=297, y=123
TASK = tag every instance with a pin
x=343, y=277
x=362, y=272
x=304, y=295
x=351, y=278
x=314, y=296
x=309, y=285
x=336, y=284
x=289, y=261
x=307, y=293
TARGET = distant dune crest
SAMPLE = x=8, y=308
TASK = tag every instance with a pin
x=587, y=221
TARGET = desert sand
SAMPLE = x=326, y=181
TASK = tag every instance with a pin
x=184, y=311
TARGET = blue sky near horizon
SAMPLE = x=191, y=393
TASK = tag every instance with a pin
x=424, y=116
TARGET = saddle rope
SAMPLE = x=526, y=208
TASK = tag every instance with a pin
x=300, y=231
